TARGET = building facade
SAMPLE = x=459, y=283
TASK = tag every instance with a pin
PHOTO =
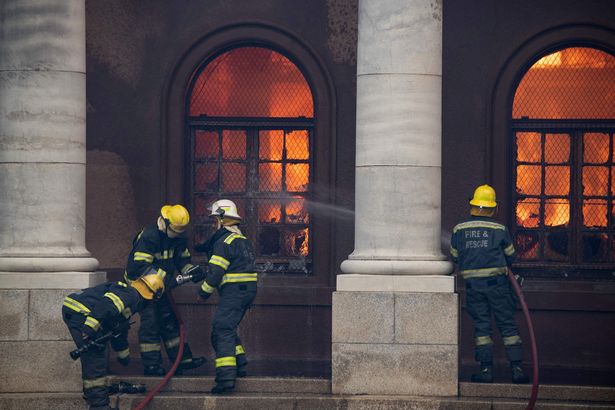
x=350, y=168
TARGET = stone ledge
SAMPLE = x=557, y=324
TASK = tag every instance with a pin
x=51, y=280
x=395, y=283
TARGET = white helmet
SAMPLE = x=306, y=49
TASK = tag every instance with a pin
x=224, y=208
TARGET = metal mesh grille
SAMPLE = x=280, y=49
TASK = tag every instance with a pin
x=550, y=183
x=576, y=82
x=251, y=82
x=239, y=155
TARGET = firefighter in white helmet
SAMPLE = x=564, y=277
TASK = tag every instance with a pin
x=232, y=272
x=106, y=308
x=162, y=248
x=483, y=250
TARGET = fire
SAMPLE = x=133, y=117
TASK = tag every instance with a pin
x=262, y=83
x=251, y=82
x=576, y=82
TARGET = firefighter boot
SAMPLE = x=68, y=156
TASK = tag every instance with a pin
x=154, y=370
x=518, y=377
x=223, y=387
x=189, y=365
x=485, y=375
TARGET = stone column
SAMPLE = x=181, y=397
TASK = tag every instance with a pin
x=42, y=190
x=395, y=310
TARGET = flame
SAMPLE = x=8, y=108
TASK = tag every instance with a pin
x=576, y=82
x=557, y=173
x=258, y=82
x=251, y=82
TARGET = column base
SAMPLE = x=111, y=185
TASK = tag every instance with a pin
x=395, y=343
x=397, y=267
x=51, y=280
x=395, y=283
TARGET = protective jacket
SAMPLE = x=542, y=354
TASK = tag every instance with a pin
x=483, y=250
x=154, y=252
x=231, y=271
x=482, y=247
x=105, y=307
x=231, y=260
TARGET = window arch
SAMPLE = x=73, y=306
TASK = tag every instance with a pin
x=563, y=174
x=251, y=121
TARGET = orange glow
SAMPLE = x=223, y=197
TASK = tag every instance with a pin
x=557, y=212
x=251, y=82
x=206, y=145
x=269, y=212
x=528, y=147
x=233, y=144
x=297, y=177
x=270, y=177
x=528, y=213
x=576, y=82
x=297, y=242
x=296, y=211
x=270, y=144
x=594, y=213
x=297, y=145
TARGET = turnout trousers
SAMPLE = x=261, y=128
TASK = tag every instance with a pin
x=235, y=299
x=158, y=321
x=93, y=363
x=485, y=296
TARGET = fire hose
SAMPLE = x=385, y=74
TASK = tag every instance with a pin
x=182, y=338
x=530, y=327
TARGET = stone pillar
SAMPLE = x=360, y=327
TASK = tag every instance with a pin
x=42, y=190
x=395, y=310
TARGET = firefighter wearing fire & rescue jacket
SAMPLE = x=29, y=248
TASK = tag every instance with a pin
x=105, y=308
x=483, y=251
x=231, y=271
x=161, y=248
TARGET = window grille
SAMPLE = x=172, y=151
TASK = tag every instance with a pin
x=251, y=129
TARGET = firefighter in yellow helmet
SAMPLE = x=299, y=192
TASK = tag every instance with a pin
x=483, y=250
x=162, y=249
x=232, y=272
x=105, y=309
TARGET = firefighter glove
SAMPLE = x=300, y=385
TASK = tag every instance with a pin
x=88, y=334
x=204, y=295
x=197, y=273
x=519, y=280
x=124, y=361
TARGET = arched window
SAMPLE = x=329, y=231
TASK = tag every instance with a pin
x=563, y=188
x=251, y=119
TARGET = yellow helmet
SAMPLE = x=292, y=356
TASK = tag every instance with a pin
x=484, y=197
x=149, y=286
x=176, y=216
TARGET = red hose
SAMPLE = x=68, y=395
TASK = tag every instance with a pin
x=180, y=353
x=530, y=327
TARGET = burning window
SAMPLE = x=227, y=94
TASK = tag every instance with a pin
x=564, y=169
x=251, y=121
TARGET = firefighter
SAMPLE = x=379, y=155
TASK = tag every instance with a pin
x=94, y=311
x=161, y=248
x=231, y=271
x=483, y=251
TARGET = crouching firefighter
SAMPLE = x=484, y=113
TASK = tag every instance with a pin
x=105, y=308
x=161, y=249
x=231, y=271
x=483, y=251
